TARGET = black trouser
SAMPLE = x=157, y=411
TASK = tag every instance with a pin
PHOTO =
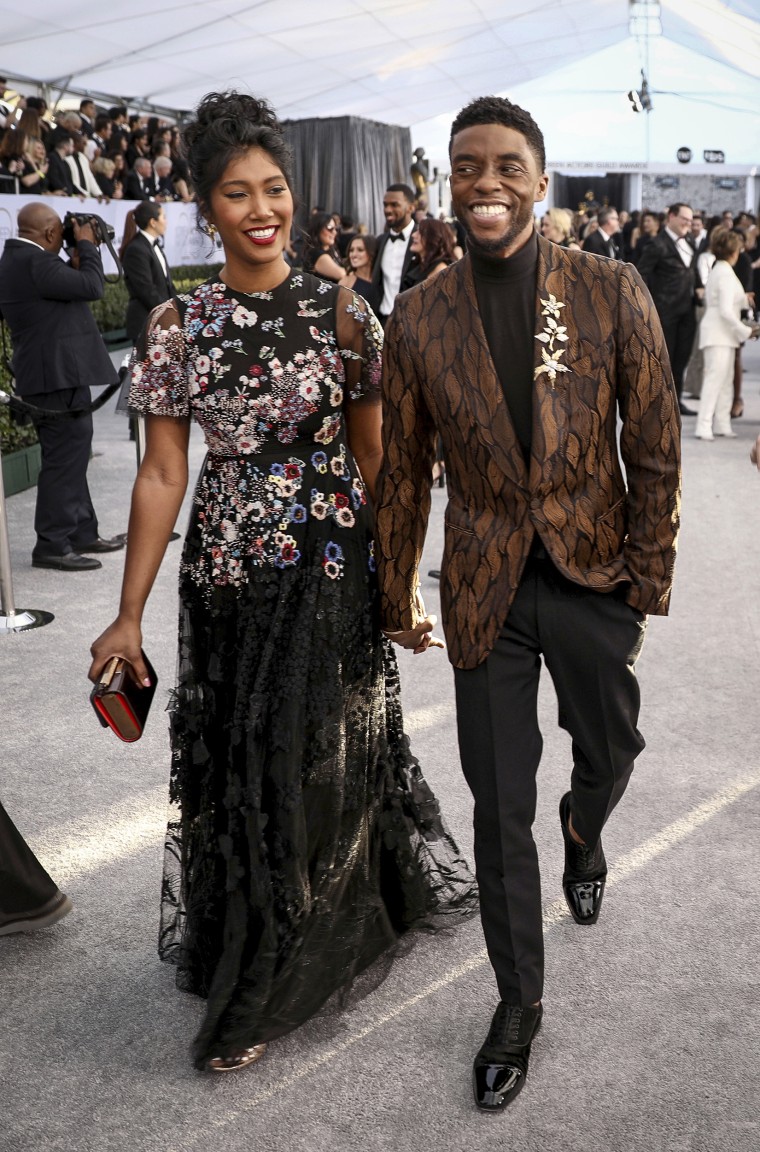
x=65, y=518
x=679, y=332
x=590, y=642
x=24, y=883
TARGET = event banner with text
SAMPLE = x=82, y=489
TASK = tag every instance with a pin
x=183, y=242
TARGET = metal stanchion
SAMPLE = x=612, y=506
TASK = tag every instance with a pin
x=13, y=619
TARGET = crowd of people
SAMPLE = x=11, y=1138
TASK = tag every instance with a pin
x=675, y=251
x=305, y=843
x=109, y=155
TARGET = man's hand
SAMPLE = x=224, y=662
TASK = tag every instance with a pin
x=420, y=638
x=84, y=232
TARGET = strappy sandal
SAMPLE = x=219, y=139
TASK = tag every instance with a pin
x=240, y=1059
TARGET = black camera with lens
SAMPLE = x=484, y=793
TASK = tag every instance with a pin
x=104, y=233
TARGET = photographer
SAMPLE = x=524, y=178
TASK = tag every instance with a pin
x=58, y=355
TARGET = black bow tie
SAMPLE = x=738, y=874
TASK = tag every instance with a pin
x=395, y=236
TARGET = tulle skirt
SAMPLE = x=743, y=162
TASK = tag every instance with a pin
x=304, y=843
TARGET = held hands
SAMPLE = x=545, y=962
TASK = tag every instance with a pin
x=124, y=640
x=419, y=638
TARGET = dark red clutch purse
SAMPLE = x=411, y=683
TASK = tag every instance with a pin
x=122, y=705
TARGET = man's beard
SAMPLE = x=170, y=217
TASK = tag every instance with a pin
x=519, y=223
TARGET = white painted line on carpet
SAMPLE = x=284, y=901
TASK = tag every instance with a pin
x=72, y=850
x=632, y=862
x=680, y=829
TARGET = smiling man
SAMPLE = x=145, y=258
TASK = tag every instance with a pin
x=394, y=256
x=521, y=357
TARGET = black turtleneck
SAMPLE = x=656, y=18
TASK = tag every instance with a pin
x=506, y=292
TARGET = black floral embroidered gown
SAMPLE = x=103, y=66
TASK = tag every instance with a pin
x=303, y=841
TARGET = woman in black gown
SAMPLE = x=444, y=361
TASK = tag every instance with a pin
x=320, y=254
x=303, y=841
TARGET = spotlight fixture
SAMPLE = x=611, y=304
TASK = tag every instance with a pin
x=641, y=100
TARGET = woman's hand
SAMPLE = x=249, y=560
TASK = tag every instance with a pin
x=755, y=453
x=120, y=639
x=419, y=638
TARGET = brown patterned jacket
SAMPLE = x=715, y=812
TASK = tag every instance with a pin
x=599, y=528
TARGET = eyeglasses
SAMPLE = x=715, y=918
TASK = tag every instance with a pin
x=330, y=228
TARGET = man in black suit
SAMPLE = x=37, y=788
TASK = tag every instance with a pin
x=162, y=170
x=394, y=256
x=99, y=141
x=87, y=113
x=604, y=240
x=667, y=265
x=140, y=183
x=58, y=355
x=146, y=271
x=59, y=173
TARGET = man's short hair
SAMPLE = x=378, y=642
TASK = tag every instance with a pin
x=604, y=214
x=63, y=137
x=404, y=189
x=87, y=100
x=117, y=111
x=145, y=212
x=675, y=209
x=102, y=120
x=497, y=110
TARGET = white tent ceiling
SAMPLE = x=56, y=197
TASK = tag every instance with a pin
x=396, y=62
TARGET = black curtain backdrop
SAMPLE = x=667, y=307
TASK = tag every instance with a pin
x=345, y=164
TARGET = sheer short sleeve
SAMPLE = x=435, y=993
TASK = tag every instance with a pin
x=360, y=339
x=159, y=366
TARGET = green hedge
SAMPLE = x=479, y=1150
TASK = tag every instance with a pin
x=111, y=316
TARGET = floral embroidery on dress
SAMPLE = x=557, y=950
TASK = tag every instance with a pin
x=271, y=408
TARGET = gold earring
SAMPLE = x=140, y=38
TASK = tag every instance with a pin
x=210, y=230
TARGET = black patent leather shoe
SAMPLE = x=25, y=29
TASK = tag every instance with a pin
x=501, y=1066
x=69, y=562
x=585, y=872
x=101, y=545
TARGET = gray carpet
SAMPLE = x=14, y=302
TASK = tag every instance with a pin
x=651, y=1034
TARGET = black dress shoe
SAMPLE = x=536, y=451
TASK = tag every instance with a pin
x=585, y=872
x=501, y=1066
x=50, y=913
x=435, y=573
x=101, y=545
x=70, y=562
x=684, y=410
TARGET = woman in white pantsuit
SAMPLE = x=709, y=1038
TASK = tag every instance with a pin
x=721, y=332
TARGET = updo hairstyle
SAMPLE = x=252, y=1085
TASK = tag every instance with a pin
x=226, y=125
